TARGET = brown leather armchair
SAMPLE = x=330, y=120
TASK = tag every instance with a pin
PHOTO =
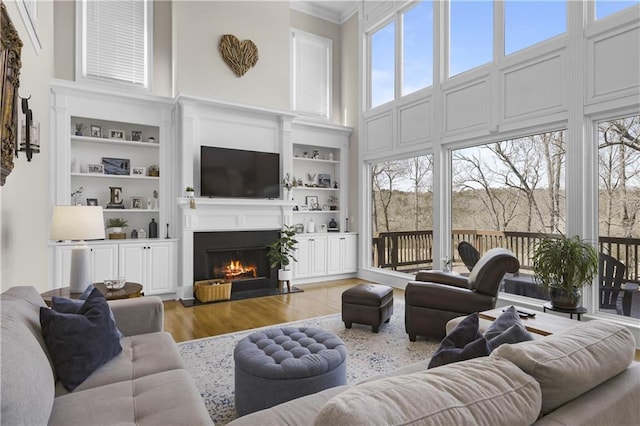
x=435, y=297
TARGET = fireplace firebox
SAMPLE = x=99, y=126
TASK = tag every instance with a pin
x=239, y=257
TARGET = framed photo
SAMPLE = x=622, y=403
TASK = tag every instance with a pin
x=324, y=180
x=136, y=202
x=116, y=134
x=115, y=166
x=92, y=201
x=139, y=171
x=96, y=131
x=136, y=135
x=96, y=169
x=312, y=202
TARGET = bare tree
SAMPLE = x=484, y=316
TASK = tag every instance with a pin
x=420, y=173
x=384, y=175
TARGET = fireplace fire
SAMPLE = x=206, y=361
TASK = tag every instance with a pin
x=235, y=270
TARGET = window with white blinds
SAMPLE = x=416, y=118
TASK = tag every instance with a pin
x=116, y=40
x=311, y=74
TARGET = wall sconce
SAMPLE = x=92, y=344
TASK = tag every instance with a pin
x=30, y=140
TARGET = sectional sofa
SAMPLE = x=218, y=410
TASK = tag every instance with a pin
x=146, y=384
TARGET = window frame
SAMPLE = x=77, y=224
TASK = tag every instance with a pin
x=80, y=31
x=28, y=10
x=328, y=43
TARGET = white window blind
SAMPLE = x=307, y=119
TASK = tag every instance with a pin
x=311, y=74
x=116, y=41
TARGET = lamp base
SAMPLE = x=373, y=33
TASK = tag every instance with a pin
x=80, y=277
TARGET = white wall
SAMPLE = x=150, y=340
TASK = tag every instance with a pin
x=199, y=68
x=25, y=195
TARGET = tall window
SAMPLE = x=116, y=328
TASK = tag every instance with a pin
x=383, y=56
x=529, y=22
x=609, y=7
x=115, y=41
x=417, y=47
x=619, y=211
x=505, y=194
x=311, y=74
x=402, y=207
x=471, y=33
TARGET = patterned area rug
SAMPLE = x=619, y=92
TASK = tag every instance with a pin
x=210, y=360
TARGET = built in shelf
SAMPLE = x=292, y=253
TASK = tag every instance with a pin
x=315, y=160
x=98, y=175
x=122, y=142
x=105, y=210
x=316, y=211
x=313, y=188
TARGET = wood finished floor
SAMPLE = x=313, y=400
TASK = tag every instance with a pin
x=226, y=317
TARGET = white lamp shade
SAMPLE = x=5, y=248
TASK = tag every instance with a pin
x=77, y=223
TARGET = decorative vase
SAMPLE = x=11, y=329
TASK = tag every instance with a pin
x=561, y=298
x=153, y=228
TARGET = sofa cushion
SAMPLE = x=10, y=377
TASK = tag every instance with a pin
x=477, y=391
x=464, y=342
x=571, y=363
x=141, y=355
x=26, y=374
x=80, y=343
x=167, y=398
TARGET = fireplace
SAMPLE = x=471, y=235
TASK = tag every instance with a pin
x=239, y=257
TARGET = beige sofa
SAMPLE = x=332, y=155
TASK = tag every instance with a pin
x=146, y=384
x=585, y=376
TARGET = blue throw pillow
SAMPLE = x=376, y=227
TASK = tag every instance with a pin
x=72, y=306
x=464, y=342
x=507, y=328
x=80, y=342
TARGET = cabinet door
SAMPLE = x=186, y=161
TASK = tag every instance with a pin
x=104, y=262
x=133, y=262
x=350, y=253
x=302, y=268
x=334, y=254
x=319, y=256
x=159, y=278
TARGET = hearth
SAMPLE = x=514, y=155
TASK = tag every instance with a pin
x=239, y=257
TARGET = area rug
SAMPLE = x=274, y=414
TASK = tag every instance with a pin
x=210, y=360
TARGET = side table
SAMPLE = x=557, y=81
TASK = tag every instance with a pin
x=578, y=311
x=130, y=290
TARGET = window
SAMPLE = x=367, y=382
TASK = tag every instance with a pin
x=504, y=194
x=609, y=7
x=115, y=41
x=471, y=35
x=401, y=208
x=529, y=22
x=619, y=214
x=383, y=56
x=417, y=47
x=311, y=74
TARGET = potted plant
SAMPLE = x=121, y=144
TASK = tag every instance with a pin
x=563, y=266
x=280, y=252
x=115, y=225
x=333, y=202
x=189, y=191
x=79, y=129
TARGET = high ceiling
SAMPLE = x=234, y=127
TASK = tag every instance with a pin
x=336, y=11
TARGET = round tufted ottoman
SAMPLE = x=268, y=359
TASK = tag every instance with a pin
x=281, y=364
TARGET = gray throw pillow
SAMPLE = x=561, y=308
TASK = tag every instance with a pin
x=464, y=342
x=507, y=328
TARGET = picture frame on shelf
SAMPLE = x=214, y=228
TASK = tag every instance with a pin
x=136, y=135
x=116, y=134
x=312, y=202
x=139, y=171
x=92, y=201
x=136, y=202
x=96, y=131
x=95, y=169
x=116, y=166
x=324, y=180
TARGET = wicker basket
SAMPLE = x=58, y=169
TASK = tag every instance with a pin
x=212, y=290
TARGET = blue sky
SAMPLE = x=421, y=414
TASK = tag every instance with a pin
x=526, y=23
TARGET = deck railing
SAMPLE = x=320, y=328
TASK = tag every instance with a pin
x=412, y=250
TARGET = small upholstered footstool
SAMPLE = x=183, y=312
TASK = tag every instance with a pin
x=280, y=364
x=370, y=304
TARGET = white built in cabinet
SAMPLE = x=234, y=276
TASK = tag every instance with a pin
x=325, y=255
x=90, y=125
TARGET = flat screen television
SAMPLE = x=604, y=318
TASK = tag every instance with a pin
x=236, y=173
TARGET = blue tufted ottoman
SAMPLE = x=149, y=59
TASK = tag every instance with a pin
x=281, y=364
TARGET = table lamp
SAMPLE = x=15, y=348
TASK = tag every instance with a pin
x=78, y=223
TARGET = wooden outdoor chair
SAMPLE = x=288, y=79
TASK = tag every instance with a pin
x=468, y=254
x=611, y=275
